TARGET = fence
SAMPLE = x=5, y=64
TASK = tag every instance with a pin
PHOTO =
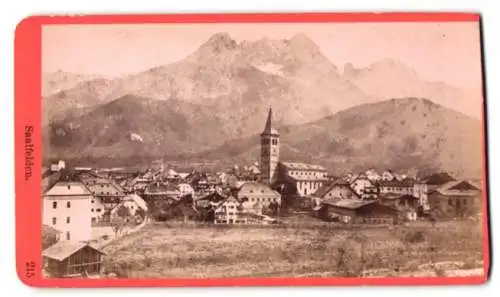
x=302, y=225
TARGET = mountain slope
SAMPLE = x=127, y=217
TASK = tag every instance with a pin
x=390, y=78
x=53, y=82
x=133, y=125
x=399, y=134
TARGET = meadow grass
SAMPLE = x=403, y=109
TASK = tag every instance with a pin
x=161, y=250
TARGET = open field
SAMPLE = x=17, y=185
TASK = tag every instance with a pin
x=161, y=250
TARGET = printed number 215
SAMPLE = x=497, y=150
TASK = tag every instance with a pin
x=30, y=269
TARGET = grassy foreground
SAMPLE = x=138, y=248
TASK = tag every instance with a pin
x=162, y=251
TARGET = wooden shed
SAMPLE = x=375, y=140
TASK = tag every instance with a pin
x=358, y=212
x=70, y=259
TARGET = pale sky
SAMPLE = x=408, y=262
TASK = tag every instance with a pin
x=448, y=52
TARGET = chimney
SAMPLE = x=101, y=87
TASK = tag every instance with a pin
x=69, y=186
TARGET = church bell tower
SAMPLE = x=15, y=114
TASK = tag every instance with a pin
x=269, y=151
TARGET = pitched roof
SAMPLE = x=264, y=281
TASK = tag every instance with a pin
x=458, y=188
x=172, y=172
x=215, y=195
x=46, y=229
x=161, y=188
x=104, y=187
x=323, y=190
x=361, y=176
x=68, y=188
x=440, y=178
x=348, y=203
x=396, y=183
x=256, y=188
x=302, y=166
x=63, y=249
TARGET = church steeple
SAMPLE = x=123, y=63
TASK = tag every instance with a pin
x=270, y=150
x=269, y=126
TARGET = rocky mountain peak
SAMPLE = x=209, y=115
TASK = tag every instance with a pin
x=220, y=41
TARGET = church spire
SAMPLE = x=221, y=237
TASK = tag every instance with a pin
x=269, y=126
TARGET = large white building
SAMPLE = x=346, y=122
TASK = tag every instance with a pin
x=66, y=207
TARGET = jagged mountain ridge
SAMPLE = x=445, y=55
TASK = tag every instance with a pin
x=231, y=75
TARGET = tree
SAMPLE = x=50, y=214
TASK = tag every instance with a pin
x=48, y=240
x=272, y=209
x=141, y=213
x=68, y=174
x=123, y=211
x=118, y=223
x=352, y=258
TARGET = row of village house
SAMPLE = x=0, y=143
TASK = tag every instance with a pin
x=71, y=209
x=440, y=190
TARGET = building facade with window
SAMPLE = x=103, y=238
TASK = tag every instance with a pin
x=254, y=192
x=66, y=207
x=458, y=198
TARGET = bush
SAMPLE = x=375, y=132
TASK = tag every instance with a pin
x=414, y=237
x=440, y=272
x=351, y=258
x=141, y=212
x=123, y=211
x=469, y=264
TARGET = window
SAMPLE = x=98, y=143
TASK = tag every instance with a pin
x=92, y=201
x=54, y=221
x=67, y=220
x=92, y=220
x=68, y=204
x=54, y=205
x=67, y=236
x=92, y=210
x=98, y=210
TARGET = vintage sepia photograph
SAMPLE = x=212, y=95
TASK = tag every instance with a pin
x=263, y=150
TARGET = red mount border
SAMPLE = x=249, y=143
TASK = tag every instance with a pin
x=28, y=113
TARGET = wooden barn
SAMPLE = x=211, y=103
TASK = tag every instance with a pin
x=69, y=259
x=358, y=212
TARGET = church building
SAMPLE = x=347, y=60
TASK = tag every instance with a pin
x=306, y=178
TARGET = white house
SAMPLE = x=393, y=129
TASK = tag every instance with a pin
x=60, y=165
x=97, y=209
x=388, y=175
x=227, y=211
x=133, y=203
x=185, y=189
x=364, y=187
x=66, y=207
x=373, y=175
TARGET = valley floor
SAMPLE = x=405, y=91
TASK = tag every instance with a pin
x=162, y=250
